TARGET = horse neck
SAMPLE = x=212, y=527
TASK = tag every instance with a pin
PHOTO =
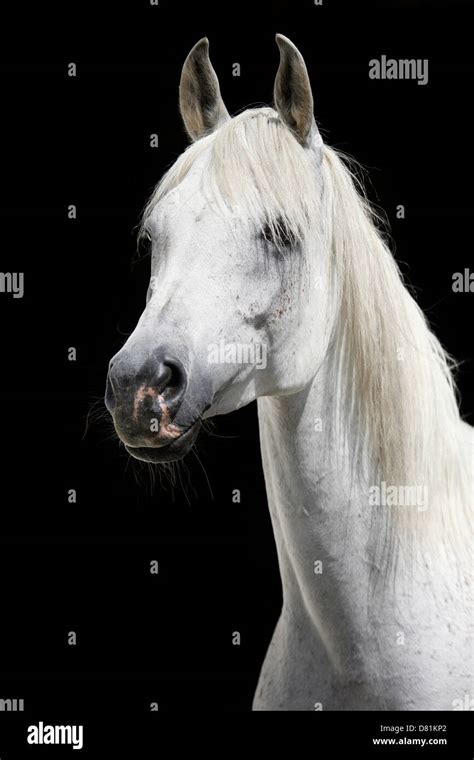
x=321, y=522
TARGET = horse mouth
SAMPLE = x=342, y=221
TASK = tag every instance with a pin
x=171, y=452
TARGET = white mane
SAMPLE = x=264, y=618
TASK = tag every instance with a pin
x=393, y=379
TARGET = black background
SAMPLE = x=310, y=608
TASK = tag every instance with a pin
x=85, y=141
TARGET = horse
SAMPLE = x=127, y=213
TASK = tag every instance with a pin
x=262, y=237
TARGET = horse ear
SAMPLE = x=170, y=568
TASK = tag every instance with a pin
x=292, y=91
x=200, y=101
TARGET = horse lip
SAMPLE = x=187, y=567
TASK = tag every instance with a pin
x=157, y=443
x=169, y=452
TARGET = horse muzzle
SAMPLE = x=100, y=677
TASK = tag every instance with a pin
x=145, y=399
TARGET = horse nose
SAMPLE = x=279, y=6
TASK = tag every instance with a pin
x=156, y=386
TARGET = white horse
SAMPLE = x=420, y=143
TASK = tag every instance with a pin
x=262, y=246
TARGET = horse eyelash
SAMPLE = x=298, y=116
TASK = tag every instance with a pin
x=280, y=235
x=145, y=243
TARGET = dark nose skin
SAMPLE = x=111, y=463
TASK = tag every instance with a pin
x=138, y=394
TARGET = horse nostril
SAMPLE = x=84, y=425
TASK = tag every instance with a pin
x=170, y=380
x=176, y=375
x=109, y=395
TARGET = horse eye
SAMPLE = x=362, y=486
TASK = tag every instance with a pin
x=144, y=243
x=280, y=235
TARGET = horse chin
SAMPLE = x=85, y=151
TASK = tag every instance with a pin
x=171, y=452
